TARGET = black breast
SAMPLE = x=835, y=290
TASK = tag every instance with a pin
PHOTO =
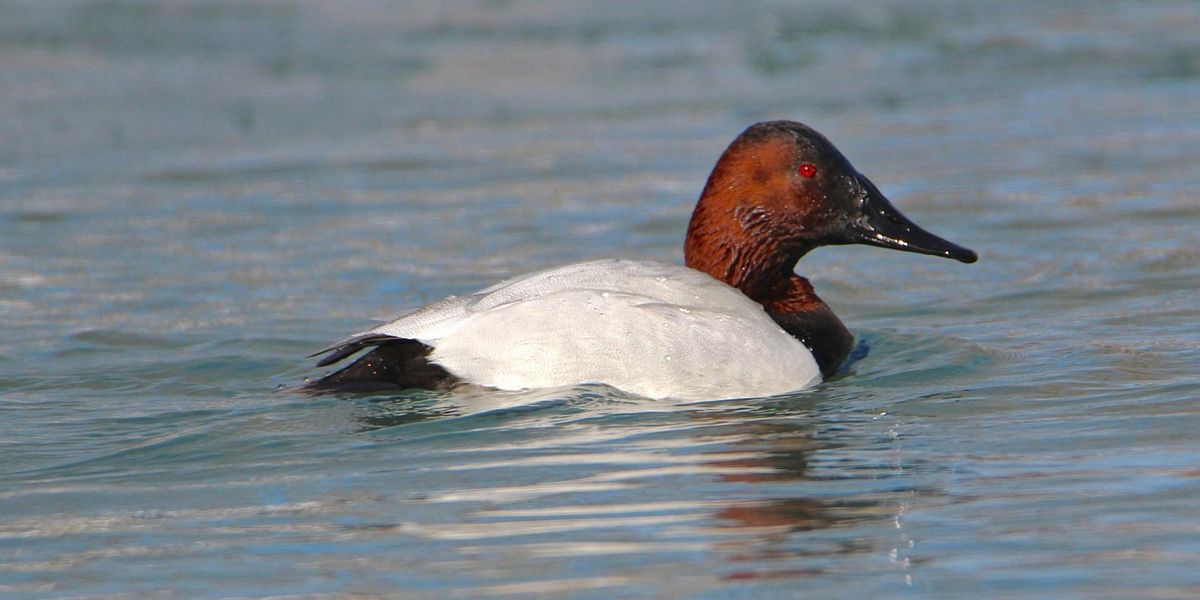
x=822, y=333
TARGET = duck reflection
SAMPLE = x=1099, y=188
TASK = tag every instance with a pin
x=771, y=490
x=416, y=405
x=776, y=459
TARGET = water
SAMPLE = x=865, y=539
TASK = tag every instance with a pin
x=194, y=196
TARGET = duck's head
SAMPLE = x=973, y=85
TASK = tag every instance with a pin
x=782, y=189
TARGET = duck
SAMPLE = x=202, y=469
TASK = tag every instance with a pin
x=734, y=321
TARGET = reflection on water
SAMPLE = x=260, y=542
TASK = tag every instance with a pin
x=558, y=502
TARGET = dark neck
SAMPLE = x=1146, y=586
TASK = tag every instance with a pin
x=760, y=265
x=799, y=311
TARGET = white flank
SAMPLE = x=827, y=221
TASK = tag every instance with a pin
x=652, y=329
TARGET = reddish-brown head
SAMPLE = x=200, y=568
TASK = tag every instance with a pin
x=780, y=190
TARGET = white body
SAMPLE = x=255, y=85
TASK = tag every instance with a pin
x=652, y=329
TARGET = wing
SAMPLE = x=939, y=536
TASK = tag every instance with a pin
x=631, y=342
x=422, y=324
x=653, y=329
x=656, y=282
x=350, y=346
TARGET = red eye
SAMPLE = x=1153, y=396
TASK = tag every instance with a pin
x=807, y=170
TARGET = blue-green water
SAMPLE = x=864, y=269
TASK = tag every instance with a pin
x=196, y=195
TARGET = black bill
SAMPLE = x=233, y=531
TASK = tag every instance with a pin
x=881, y=224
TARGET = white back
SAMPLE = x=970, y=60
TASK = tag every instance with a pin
x=653, y=329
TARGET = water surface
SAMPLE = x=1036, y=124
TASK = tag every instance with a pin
x=195, y=196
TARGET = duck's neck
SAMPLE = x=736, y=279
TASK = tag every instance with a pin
x=749, y=250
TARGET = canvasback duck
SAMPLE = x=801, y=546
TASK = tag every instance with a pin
x=736, y=321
